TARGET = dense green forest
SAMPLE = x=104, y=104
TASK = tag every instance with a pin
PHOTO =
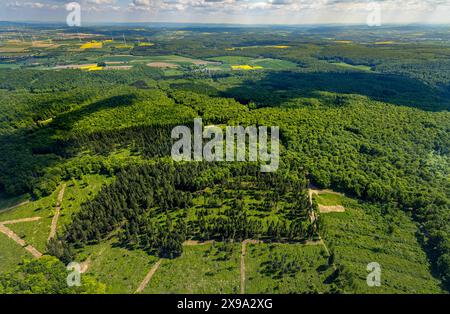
x=367, y=119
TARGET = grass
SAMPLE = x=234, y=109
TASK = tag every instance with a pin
x=77, y=192
x=11, y=254
x=7, y=201
x=36, y=232
x=365, y=234
x=355, y=67
x=120, y=269
x=232, y=59
x=329, y=199
x=201, y=269
x=309, y=278
x=42, y=208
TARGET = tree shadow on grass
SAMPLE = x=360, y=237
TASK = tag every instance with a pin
x=27, y=153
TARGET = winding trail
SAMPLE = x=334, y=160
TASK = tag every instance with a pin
x=149, y=276
x=54, y=225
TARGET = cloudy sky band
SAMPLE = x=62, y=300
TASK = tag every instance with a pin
x=231, y=11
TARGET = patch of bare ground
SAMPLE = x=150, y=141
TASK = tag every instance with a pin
x=84, y=266
x=331, y=209
x=162, y=65
x=195, y=242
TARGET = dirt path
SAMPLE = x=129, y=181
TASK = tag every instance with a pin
x=33, y=251
x=54, y=225
x=84, y=266
x=15, y=206
x=243, y=252
x=149, y=276
x=13, y=236
x=9, y=222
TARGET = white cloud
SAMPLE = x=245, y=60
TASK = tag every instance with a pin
x=101, y=1
x=31, y=5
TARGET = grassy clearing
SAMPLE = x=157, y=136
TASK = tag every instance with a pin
x=355, y=67
x=309, y=277
x=329, y=199
x=120, y=269
x=42, y=208
x=36, y=233
x=11, y=254
x=209, y=268
x=365, y=234
x=77, y=192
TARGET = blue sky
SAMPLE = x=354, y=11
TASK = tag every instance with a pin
x=232, y=11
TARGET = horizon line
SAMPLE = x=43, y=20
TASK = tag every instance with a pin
x=111, y=23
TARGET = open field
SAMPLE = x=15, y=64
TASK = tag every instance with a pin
x=37, y=232
x=306, y=264
x=120, y=269
x=211, y=268
x=365, y=234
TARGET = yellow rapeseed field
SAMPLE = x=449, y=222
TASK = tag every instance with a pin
x=91, y=68
x=146, y=44
x=246, y=67
x=92, y=45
